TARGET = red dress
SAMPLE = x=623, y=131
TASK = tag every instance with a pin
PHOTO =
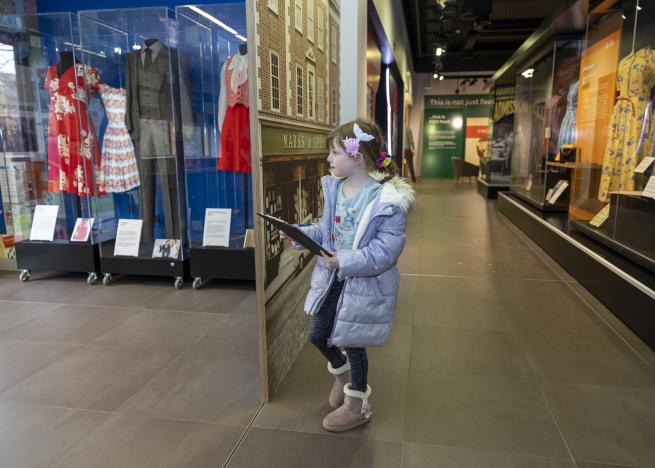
x=234, y=153
x=73, y=152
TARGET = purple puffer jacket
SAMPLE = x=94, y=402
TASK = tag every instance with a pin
x=368, y=300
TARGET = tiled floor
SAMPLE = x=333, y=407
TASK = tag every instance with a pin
x=497, y=359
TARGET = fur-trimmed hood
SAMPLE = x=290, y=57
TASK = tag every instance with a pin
x=396, y=191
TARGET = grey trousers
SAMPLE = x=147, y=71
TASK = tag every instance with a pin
x=156, y=159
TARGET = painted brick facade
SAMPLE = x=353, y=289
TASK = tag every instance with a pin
x=278, y=33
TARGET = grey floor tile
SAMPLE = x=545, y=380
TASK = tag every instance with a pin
x=582, y=464
x=71, y=324
x=647, y=354
x=157, y=329
x=473, y=352
x=230, y=335
x=453, y=311
x=300, y=404
x=14, y=313
x=285, y=449
x=209, y=299
x=91, y=377
x=605, y=424
x=437, y=288
x=435, y=456
x=59, y=289
x=20, y=359
x=586, y=360
x=33, y=436
x=481, y=413
x=549, y=308
x=201, y=388
x=137, y=442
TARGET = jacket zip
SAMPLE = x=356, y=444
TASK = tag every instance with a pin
x=343, y=289
x=319, y=302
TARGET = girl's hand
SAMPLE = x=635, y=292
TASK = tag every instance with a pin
x=283, y=236
x=331, y=262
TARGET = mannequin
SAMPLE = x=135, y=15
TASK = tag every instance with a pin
x=149, y=119
x=66, y=60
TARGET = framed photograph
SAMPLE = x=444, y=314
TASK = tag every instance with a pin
x=82, y=229
x=167, y=248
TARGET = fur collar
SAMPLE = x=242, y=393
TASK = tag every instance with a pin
x=396, y=191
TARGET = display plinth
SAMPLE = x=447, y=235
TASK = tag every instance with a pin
x=629, y=230
x=222, y=263
x=557, y=208
x=141, y=265
x=490, y=191
x=625, y=288
x=58, y=256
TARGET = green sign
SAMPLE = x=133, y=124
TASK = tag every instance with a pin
x=443, y=138
x=278, y=141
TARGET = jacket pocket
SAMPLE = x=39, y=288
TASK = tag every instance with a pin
x=388, y=282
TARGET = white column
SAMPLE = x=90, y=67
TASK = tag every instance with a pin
x=352, y=66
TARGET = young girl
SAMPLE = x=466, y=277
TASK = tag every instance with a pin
x=353, y=292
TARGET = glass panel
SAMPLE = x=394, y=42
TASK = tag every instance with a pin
x=48, y=150
x=138, y=112
x=631, y=222
x=218, y=171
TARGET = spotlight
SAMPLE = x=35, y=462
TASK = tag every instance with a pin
x=440, y=51
x=528, y=73
x=440, y=77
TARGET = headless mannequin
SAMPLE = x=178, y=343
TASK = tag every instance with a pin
x=66, y=60
x=149, y=42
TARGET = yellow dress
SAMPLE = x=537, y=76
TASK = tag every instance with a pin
x=635, y=80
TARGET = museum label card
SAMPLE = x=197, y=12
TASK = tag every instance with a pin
x=600, y=218
x=217, y=227
x=649, y=191
x=82, y=229
x=44, y=222
x=128, y=237
x=644, y=164
x=559, y=190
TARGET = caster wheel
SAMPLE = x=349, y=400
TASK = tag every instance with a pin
x=106, y=280
x=92, y=279
x=24, y=275
x=178, y=282
x=197, y=283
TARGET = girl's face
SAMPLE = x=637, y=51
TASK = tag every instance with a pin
x=342, y=164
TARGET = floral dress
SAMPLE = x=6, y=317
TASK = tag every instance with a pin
x=119, y=166
x=635, y=79
x=73, y=153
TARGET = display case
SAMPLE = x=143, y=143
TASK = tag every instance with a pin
x=615, y=203
x=496, y=153
x=49, y=152
x=212, y=38
x=138, y=112
x=545, y=97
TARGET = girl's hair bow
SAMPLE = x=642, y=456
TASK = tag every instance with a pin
x=352, y=144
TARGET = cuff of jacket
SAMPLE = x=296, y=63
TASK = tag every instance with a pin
x=346, y=263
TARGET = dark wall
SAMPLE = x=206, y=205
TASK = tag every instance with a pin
x=49, y=6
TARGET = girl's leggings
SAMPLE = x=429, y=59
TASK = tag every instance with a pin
x=320, y=333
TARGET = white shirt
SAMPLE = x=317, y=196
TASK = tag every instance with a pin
x=156, y=48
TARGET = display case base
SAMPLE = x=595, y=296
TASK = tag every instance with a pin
x=559, y=208
x=625, y=288
x=490, y=191
x=222, y=263
x=57, y=256
x=142, y=266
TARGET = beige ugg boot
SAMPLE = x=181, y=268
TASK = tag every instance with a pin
x=341, y=378
x=354, y=412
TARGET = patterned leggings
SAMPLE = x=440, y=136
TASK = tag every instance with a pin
x=322, y=328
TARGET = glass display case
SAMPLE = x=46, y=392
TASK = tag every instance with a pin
x=615, y=202
x=496, y=162
x=49, y=154
x=138, y=110
x=545, y=97
x=212, y=38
